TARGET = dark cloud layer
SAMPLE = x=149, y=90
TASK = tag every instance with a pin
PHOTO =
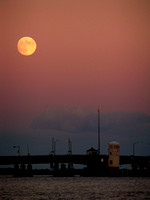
x=80, y=125
x=71, y=119
x=75, y=119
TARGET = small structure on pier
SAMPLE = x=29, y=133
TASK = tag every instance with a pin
x=92, y=151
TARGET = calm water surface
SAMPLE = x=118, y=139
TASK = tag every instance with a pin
x=68, y=188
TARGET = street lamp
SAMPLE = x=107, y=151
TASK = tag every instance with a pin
x=148, y=144
x=28, y=149
x=18, y=149
x=134, y=147
x=55, y=146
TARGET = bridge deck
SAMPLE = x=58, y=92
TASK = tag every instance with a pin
x=76, y=159
x=43, y=159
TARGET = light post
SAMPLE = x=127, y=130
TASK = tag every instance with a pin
x=69, y=146
x=55, y=146
x=148, y=143
x=18, y=149
x=28, y=149
x=134, y=147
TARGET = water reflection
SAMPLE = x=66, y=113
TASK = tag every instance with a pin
x=77, y=188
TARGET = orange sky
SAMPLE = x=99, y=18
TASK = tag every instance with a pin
x=89, y=53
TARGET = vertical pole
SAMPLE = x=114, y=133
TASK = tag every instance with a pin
x=69, y=146
x=134, y=147
x=28, y=149
x=19, y=150
x=53, y=146
x=98, y=131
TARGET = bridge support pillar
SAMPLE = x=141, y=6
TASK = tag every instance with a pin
x=29, y=170
x=16, y=170
x=148, y=170
x=134, y=169
x=22, y=170
x=56, y=169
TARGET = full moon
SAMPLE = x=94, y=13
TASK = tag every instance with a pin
x=26, y=46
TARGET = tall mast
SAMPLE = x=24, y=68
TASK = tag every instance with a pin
x=98, y=131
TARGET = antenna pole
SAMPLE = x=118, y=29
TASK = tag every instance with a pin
x=98, y=131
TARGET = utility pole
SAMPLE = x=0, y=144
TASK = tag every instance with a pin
x=69, y=146
x=28, y=149
x=54, y=146
x=134, y=147
x=98, y=131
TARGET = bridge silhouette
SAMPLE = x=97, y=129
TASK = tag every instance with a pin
x=95, y=164
x=75, y=159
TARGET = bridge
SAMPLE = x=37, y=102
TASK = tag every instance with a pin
x=75, y=159
x=96, y=165
x=45, y=159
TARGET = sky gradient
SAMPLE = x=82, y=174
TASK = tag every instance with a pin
x=89, y=54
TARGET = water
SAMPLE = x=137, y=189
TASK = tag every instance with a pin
x=74, y=188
